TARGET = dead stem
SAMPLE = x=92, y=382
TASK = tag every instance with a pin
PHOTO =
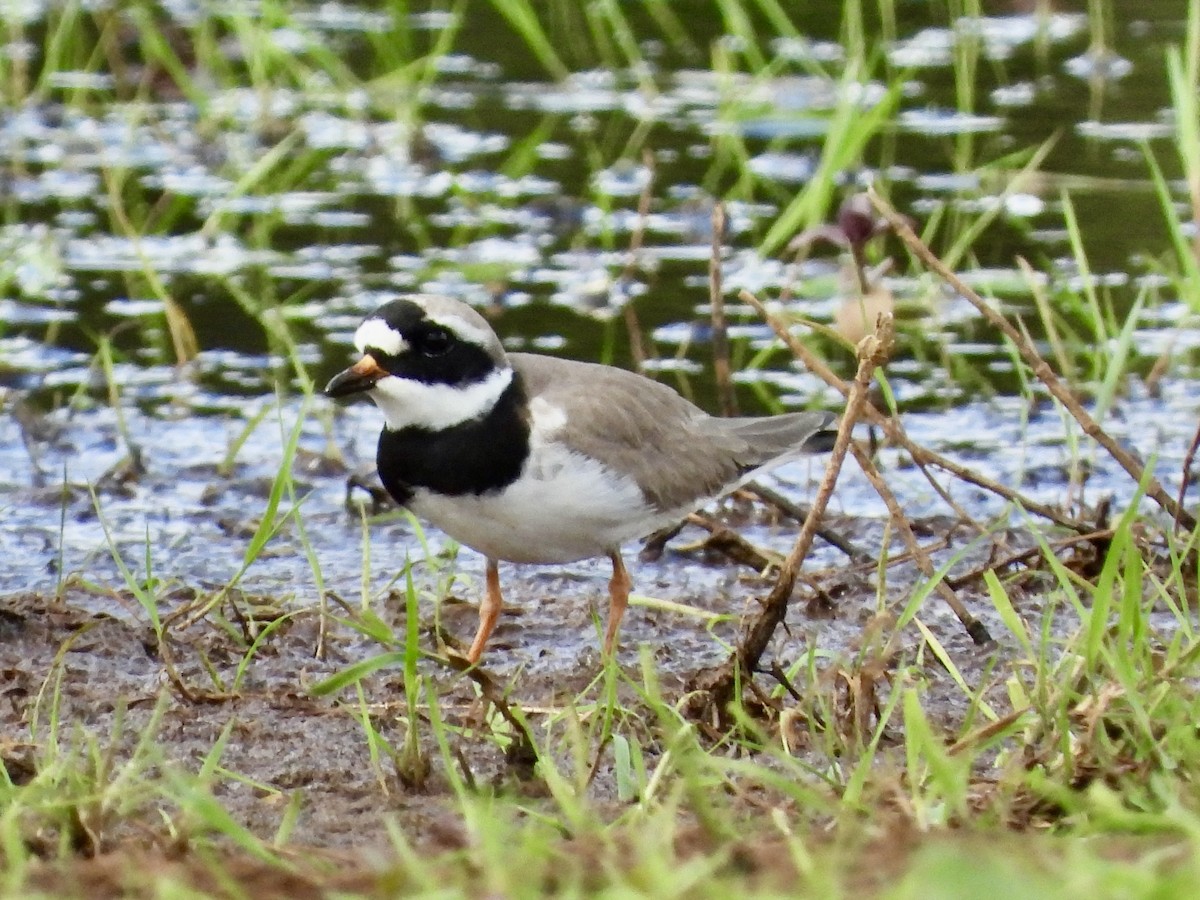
x=1030, y=553
x=166, y=655
x=896, y=434
x=800, y=512
x=1184, y=475
x=323, y=618
x=1041, y=369
x=987, y=732
x=1158, y=371
x=716, y=686
x=720, y=331
x=524, y=748
x=893, y=560
x=33, y=429
x=731, y=544
x=637, y=348
x=1043, y=306
x=976, y=629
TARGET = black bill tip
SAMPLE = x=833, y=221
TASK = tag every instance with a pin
x=362, y=376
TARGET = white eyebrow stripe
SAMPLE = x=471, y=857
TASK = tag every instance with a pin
x=376, y=333
x=472, y=334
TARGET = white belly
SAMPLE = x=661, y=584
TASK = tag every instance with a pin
x=564, y=507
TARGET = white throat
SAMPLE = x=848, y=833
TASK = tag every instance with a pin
x=406, y=403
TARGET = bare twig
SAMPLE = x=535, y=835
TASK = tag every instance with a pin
x=1186, y=473
x=729, y=542
x=896, y=434
x=800, y=512
x=717, y=686
x=1040, y=368
x=720, y=331
x=976, y=629
x=637, y=347
x=1028, y=554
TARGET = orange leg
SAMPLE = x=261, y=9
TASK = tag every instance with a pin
x=618, y=599
x=489, y=612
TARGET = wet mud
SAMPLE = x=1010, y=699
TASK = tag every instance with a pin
x=79, y=649
x=86, y=658
x=151, y=485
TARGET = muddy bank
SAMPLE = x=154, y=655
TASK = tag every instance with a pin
x=103, y=679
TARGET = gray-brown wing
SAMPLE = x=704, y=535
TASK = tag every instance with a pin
x=675, y=452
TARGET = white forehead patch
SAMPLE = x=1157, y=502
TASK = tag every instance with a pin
x=378, y=334
x=407, y=403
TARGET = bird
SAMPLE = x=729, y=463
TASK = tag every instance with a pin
x=528, y=458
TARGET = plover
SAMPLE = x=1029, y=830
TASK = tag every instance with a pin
x=534, y=459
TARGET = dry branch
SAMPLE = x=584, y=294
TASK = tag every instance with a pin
x=1041, y=369
x=717, y=686
x=895, y=431
x=976, y=629
x=720, y=328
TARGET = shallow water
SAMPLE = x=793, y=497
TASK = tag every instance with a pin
x=521, y=195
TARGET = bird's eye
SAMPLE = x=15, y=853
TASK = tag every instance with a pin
x=434, y=342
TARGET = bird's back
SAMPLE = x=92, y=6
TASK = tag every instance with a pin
x=679, y=455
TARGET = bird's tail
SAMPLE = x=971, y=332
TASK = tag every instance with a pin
x=786, y=435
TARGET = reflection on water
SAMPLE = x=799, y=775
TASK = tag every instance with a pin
x=263, y=222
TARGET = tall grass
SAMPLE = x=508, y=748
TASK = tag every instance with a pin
x=1079, y=723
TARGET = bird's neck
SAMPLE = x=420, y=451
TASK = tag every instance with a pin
x=408, y=402
x=475, y=456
